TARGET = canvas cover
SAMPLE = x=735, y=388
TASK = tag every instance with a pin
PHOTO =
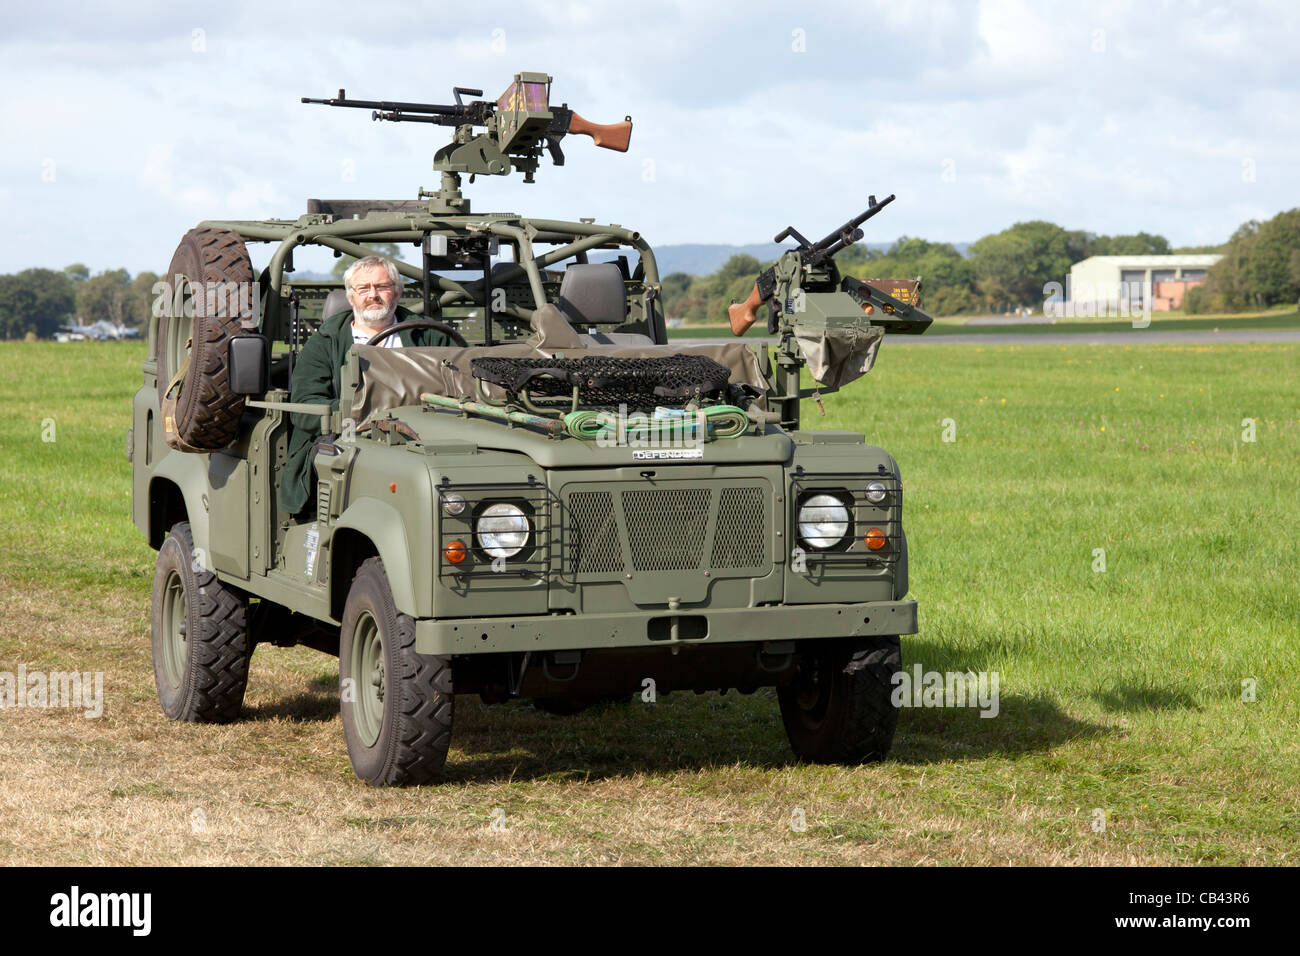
x=394, y=377
x=837, y=356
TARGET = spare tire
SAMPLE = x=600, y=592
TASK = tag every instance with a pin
x=211, y=289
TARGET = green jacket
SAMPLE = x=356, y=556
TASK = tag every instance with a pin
x=316, y=380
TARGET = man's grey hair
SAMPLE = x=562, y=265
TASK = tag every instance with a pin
x=369, y=262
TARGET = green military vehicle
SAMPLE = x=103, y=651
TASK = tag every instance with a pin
x=562, y=506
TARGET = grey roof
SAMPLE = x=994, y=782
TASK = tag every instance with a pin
x=1197, y=259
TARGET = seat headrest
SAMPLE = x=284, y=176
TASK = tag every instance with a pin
x=335, y=302
x=593, y=294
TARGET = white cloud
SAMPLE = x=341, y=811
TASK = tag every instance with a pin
x=1107, y=117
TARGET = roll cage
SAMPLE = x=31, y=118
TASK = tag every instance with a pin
x=456, y=280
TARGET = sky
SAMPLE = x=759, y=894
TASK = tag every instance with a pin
x=127, y=126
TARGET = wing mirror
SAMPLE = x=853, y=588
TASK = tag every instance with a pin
x=249, y=364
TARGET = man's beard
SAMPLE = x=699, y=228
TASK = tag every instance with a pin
x=379, y=315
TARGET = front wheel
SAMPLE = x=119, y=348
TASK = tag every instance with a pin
x=838, y=707
x=397, y=705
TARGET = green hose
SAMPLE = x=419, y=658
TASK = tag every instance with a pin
x=721, y=421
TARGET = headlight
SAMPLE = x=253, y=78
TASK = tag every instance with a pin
x=453, y=504
x=876, y=492
x=823, y=521
x=502, y=530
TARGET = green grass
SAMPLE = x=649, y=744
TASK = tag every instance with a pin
x=65, y=503
x=1120, y=690
x=1159, y=323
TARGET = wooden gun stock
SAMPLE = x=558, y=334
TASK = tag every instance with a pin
x=611, y=136
x=744, y=314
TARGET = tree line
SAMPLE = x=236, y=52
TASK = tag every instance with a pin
x=40, y=302
x=1260, y=267
x=1009, y=269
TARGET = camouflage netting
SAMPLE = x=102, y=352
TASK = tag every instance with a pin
x=671, y=381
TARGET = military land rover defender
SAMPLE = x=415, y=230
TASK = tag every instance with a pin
x=564, y=505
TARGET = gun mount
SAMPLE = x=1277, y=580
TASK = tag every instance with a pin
x=821, y=317
x=516, y=127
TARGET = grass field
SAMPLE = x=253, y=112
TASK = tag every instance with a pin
x=956, y=325
x=1121, y=690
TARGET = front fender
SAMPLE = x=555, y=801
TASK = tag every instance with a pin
x=381, y=525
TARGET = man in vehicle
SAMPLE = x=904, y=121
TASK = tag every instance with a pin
x=373, y=286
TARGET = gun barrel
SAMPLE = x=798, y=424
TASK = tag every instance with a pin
x=387, y=106
x=848, y=229
x=845, y=239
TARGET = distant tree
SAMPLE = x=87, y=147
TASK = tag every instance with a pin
x=676, y=283
x=1141, y=244
x=77, y=272
x=739, y=265
x=139, y=299
x=1013, y=266
x=1268, y=271
x=104, y=296
x=35, y=300
x=1227, y=283
x=856, y=254
x=675, y=290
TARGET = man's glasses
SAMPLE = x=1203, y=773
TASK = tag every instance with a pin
x=381, y=287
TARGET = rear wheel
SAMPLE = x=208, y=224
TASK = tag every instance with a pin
x=397, y=705
x=201, y=643
x=838, y=707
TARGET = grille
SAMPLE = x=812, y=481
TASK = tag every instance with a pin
x=742, y=519
x=594, y=533
x=665, y=529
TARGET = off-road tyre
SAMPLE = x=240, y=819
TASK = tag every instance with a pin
x=838, y=708
x=397, y=705
x=207, y=412
x=200, y=636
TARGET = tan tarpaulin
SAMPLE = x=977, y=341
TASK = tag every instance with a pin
x=394, y=377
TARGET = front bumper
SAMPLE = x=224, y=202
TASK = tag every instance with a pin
x=587, y=631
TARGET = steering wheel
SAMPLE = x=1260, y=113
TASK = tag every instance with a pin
x=420, y=324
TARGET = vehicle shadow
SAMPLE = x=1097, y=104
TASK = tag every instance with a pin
x=1133, y=699
x=318, y=704
x=515, y=742
x=1022, y=725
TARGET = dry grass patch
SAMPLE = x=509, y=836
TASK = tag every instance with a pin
x=630, y=785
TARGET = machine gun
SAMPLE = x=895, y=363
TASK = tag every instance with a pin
x=813, y=255
x=830, y=323
x=517, y=126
